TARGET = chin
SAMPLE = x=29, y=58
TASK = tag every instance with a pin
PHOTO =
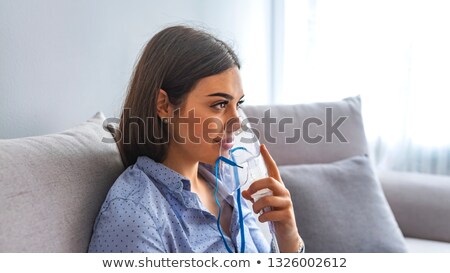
x=210, y=154
x=211, y=161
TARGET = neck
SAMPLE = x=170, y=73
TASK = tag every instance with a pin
x=183, y=165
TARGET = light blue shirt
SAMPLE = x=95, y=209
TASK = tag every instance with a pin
x=150, y=208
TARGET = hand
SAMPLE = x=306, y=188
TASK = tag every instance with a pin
x=282, y=211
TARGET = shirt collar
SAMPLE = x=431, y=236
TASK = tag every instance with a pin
x=208, y=172
x=163, y=174
x=173, y=180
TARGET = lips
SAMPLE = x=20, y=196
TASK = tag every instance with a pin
x=226, y=143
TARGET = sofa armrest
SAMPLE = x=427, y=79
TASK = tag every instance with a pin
x=420, y=203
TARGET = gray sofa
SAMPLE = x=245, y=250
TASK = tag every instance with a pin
x=53, y=186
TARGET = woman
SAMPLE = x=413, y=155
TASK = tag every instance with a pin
x=185, y=80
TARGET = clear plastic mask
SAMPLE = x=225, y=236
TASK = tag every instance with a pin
x=245, y=153
x=239, y=164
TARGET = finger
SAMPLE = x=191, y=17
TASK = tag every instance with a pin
x=247, y=196
x=271, y=165
x=270, y=183
x=274, y=202
x=274, y=216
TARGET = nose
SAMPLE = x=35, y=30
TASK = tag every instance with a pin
x=234, y=122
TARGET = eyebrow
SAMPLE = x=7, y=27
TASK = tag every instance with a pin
x=224, y=95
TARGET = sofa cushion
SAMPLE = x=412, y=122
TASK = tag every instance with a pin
x=53, y=187
x=416, y=245
x=420, y=203
x=340, y=207
x=309, y=133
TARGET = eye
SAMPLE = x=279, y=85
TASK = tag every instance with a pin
x=223, y=104
x=239, y=103
x=220, y=105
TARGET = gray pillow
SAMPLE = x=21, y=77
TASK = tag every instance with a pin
x=52, y=187
x=288, y=130
x=340, y=207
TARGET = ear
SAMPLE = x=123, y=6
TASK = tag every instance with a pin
x=163, y=105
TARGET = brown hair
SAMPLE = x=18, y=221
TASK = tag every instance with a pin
x=174, y=60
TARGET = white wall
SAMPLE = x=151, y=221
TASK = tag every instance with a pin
x=248, y=24
x=62, y=60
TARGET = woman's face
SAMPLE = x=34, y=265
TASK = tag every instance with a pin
x=207, y=117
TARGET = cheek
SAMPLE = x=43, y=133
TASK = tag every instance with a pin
x=210, y=128
x=197, y=133
x=205, y=146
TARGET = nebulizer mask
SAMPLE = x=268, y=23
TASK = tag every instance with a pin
x=239, y=164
